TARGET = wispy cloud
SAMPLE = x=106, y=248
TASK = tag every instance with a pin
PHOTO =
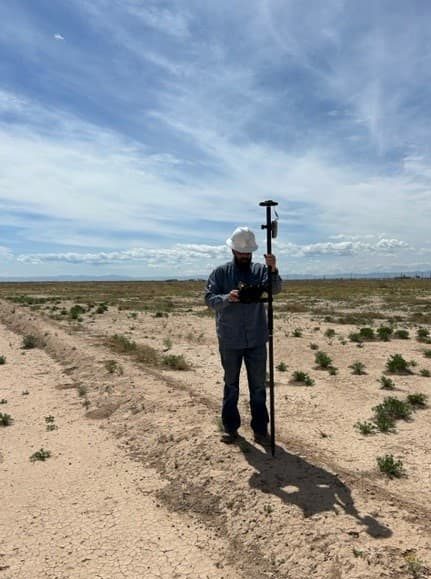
x=166, y=124
x=5, y=254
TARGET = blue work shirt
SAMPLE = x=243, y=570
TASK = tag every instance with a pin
x=239, y=325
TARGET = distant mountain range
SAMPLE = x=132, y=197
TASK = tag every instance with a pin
x=80, y=278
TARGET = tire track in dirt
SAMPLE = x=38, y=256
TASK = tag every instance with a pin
x=314, y=519
x=88, y=511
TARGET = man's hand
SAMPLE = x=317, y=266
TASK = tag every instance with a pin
x=234, y=296
x=271, y=261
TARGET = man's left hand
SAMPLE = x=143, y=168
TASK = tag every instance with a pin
x=271, y=261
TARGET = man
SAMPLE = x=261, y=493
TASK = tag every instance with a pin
x=242, y=331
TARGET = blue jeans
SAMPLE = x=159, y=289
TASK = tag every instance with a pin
x=255, y=363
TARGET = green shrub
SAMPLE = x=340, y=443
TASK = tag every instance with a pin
x=50, y=426
x=167, y=343
x=161, y=315
x=417, y=400
x=76, y=311
x=40, y=455
x=122, y=344
x=29, y=341
x=5, y=419
x=297, y=333
x=367, y=333
x=330, y=333
x=355, y=337
x=102, y=308
x=427, y=353
x=322, y=360
x=357, y=368
x=384, y=422
x=402, y=334
x=282, y=367
x=386, y=383
x=299, y=376
x=398, y=365
x=2, y=360
x=394, y=408
x=333, y=371
x=391, y=467
x=366, y=427
x=147, y=355
x=174, y=362
x=82, y=390
x=314, y=346
x=422, y=335
x=425, y=373
x=384, y=333
x=113, y=367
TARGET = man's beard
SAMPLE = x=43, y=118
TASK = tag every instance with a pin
x=242, y=263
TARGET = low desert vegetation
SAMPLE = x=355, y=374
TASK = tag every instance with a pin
x=297, y=333
x=82, y=390
x=423, y=335
x=167, y=344
x=417, y=400
x=29, y=341
x=367, y=333
x=76, y=311
x=366, y=427
x=425, y=372
x=391, y=467
x=175, y=362
x=358, y=368
x=2, y=360
x=415, y=566
x=384, y=333
x=314, y=346
x=302, y=377
x=396, y=364
x=329, y=333
x=386, y=383
x=322, y=360
x=40, y=455
x=102, y=308
x=50, y=423
x=5, y=419
x=401, y=334
x=113, y=367
x=282, y=367
x=394, y=408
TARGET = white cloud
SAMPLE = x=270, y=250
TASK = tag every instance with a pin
x=181, y=253
x=58, y=36
x=5, y=254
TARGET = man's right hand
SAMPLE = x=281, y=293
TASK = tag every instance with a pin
x=234, y=296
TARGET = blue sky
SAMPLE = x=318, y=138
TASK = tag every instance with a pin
x=135, y=135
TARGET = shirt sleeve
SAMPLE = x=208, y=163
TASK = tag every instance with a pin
x=276, y=282
x=214, y=298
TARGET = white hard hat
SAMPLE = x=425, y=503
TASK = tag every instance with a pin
x=242, y=240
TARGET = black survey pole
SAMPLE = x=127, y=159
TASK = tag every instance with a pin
x=271, y=232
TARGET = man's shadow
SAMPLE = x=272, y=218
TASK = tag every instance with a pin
x=298, y=482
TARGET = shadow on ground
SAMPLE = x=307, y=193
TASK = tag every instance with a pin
x=295, y=481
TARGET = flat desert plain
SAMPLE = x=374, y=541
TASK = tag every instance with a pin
x=110, y=460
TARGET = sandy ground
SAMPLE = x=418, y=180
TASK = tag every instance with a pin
x=138, y=484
